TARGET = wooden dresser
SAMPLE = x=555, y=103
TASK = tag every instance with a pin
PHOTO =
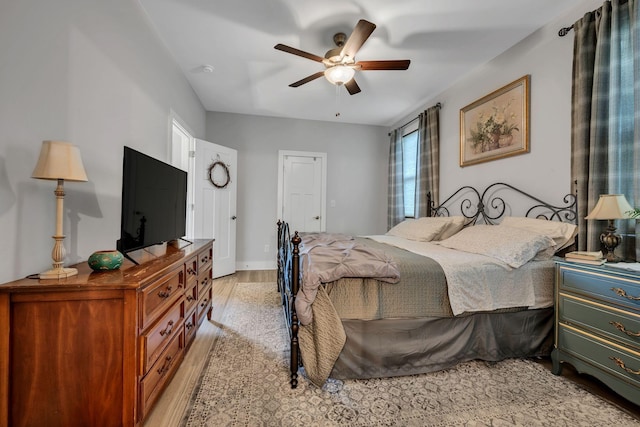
x=598, y=325
x=98, y=349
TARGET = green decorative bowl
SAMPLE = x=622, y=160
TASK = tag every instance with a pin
x=105, y=260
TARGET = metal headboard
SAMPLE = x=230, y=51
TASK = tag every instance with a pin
x=489, y=206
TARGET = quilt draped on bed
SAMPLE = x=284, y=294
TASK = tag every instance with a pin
x=327, y=257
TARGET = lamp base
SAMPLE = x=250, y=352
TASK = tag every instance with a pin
x=612, y=258
x=58, y=273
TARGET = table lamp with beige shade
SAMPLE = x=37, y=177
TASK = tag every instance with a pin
x=59, y=161
x=611, y=207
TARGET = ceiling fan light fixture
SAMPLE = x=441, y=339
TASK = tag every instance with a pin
x=339, y=74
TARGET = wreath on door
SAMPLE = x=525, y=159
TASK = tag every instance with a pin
x=219, y=175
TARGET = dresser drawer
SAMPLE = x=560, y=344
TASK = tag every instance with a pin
x=190, y=326
x=205, y=258
x=612, y=359
x=153, y=383
x=191, y=269
x=610, y=322
x=191, y=297
x=610, y=288
x=158, y=336
x=204, y=280
x=157, y=297
x=204, y=303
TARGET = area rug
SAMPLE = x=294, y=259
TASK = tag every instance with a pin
x=246, y=383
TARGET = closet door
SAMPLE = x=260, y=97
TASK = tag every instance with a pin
x=301, y=190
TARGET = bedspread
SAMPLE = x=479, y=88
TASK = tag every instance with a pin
x=481, y=283
x=328, y=257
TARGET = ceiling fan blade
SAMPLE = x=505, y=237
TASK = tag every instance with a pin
x=307, y=79
x=400, y=64
x=298, y=52
x=352, y=87
x=360, y=34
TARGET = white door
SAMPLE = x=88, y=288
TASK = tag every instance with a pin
x=215, y=203
x=301, y=190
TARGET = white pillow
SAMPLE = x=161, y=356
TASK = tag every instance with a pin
x=513, y=246
x=562, y=233
x=419, y=229
x=454, y=225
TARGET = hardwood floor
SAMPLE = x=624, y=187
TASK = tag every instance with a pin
x=169, y=409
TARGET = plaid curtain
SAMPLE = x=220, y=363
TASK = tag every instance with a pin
x=395, y=191
x=428, y=177
x=606, y=114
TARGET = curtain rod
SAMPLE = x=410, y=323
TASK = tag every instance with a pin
x=564, y=31
x=439, y=105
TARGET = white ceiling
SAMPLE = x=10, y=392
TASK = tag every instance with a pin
x=444, y=39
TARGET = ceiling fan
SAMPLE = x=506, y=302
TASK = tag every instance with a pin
x=340, y=62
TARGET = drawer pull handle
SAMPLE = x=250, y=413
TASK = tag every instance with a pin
x=165, y=367
x=191, y=271
x=205, y=282
x=622, y=293
x=620, y=363
x=168, y=329
x=190, y=298
x=189, y=325
x=204, y=302
x=166, y=293
x=619, y=326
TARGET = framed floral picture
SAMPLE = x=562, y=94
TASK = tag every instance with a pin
x=496, y=125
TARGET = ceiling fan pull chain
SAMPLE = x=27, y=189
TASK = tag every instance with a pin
x=337, y=101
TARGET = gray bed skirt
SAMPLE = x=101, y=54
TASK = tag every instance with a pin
x=395, y=347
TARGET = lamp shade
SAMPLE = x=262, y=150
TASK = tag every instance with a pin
x=611, y=206
x=59, y=160
x=339, y=74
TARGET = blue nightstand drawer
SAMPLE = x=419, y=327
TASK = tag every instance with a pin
x=609, y=288
x=617, y=324
x=613, y=360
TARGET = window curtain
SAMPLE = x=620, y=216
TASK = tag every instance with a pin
x=395, y=191
x=428, y=176
x=606, y=115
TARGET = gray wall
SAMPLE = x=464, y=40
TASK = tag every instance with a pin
x=356, y=168
x=94, y=73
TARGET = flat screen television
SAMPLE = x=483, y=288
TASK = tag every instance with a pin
x=154, y=202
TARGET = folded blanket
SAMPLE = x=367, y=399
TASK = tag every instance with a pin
x=321, y=341
x=328, y=257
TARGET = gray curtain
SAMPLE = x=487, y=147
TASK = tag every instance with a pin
x=395, y=191
x=428, y=177
x=606, y=114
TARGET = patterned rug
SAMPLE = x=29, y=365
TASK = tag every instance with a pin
x=246, y=383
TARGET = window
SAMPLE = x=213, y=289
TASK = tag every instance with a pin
x=409, y=171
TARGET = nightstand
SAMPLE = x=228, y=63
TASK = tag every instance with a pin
x=597, y=324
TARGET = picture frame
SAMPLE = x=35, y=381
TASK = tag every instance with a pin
x=497, y=125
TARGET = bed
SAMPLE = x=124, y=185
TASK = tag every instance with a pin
x=472, y=280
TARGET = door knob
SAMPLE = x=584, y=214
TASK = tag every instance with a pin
x=316, y=217
x=234, y=217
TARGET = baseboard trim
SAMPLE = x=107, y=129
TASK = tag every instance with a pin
x=255, y=265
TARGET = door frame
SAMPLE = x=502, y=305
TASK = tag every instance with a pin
x=183, y=157
x=323, y=196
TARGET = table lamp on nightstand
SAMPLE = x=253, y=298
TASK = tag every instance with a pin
x=59, y=161
x=611, y=207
